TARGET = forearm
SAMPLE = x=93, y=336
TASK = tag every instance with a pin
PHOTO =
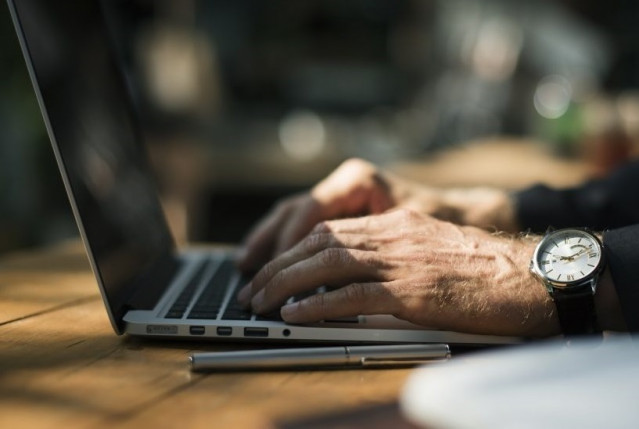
x=487, y=208
x=534, y=312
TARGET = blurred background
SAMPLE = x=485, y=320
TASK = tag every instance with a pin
x=245, y=101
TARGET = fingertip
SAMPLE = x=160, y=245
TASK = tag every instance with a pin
x=257, y=302
x=290, y=312
x=244, y=296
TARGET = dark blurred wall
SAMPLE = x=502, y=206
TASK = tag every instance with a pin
x=33, y=206
x=244, y=101
x=618, y=20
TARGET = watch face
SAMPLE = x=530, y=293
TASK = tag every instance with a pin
x=567, y=256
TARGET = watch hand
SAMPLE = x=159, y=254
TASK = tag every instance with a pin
x=581, y=252
x=571, y=258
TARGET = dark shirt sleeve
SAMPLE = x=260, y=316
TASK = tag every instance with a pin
x=622, y=255
x=610, y=204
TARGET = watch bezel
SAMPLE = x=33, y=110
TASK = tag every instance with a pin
x=572, y=284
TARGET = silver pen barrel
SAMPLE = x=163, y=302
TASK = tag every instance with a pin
x=377, y=355
x=272, y=358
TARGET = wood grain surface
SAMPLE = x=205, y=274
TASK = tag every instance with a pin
x=61, y=364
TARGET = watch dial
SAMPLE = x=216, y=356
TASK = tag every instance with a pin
x=568, y=256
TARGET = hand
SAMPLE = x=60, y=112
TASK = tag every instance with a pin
x=415, y=267
x=355, y=188
x=359, y=188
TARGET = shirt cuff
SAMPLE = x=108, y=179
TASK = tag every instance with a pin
x=622, y=254
x=540, y=207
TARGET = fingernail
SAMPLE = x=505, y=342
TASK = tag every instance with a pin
x=289, y=311
x=244, y=295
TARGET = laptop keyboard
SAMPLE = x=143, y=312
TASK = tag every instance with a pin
x=211, y=305
x=210, y=302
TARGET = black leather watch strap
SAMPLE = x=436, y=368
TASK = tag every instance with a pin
x=576, y=312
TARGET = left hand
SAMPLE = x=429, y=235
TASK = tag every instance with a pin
x=418, y=268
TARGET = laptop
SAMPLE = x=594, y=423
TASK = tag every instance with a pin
x=149, y=286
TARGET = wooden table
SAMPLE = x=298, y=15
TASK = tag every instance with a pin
x=507, y=163
x=61, y=364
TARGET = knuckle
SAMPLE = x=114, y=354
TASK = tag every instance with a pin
x=332, y=257
x=275, y=282
x=265, y=274
x=355, y=170
x=317, y=303
x=355, y=294
x=406, y=214
x=359, y=165
x=321, y=228
x=315, y=242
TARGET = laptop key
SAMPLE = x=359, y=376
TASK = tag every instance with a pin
x=234, y=311
x=211, y=297
x=174, y=314
x=181, y=303
x=203, y=315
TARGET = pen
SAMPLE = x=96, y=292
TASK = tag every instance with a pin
x=377, y=355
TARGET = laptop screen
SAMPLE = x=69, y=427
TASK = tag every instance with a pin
x=88, y=114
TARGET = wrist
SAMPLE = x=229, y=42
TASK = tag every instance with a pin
x=571, y=264
x=485, y=208
x=543, y=320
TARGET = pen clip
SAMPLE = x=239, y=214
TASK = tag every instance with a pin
x=379, y=362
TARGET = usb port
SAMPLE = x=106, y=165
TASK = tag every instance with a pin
x=256, y=332
x=224, y=331
x=196, y=330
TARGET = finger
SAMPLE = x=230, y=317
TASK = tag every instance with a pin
x=351, y=300
x=331, y=267
x=355, y=188
x=356, y=226
x=351, y=174
x=259, y=244
x=311, y=246
x=392, y=220
x=321, y=238
x=298, y=226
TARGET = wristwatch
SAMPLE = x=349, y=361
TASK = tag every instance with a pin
x=568, y=262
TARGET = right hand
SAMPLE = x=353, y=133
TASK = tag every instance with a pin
x=410, y=265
